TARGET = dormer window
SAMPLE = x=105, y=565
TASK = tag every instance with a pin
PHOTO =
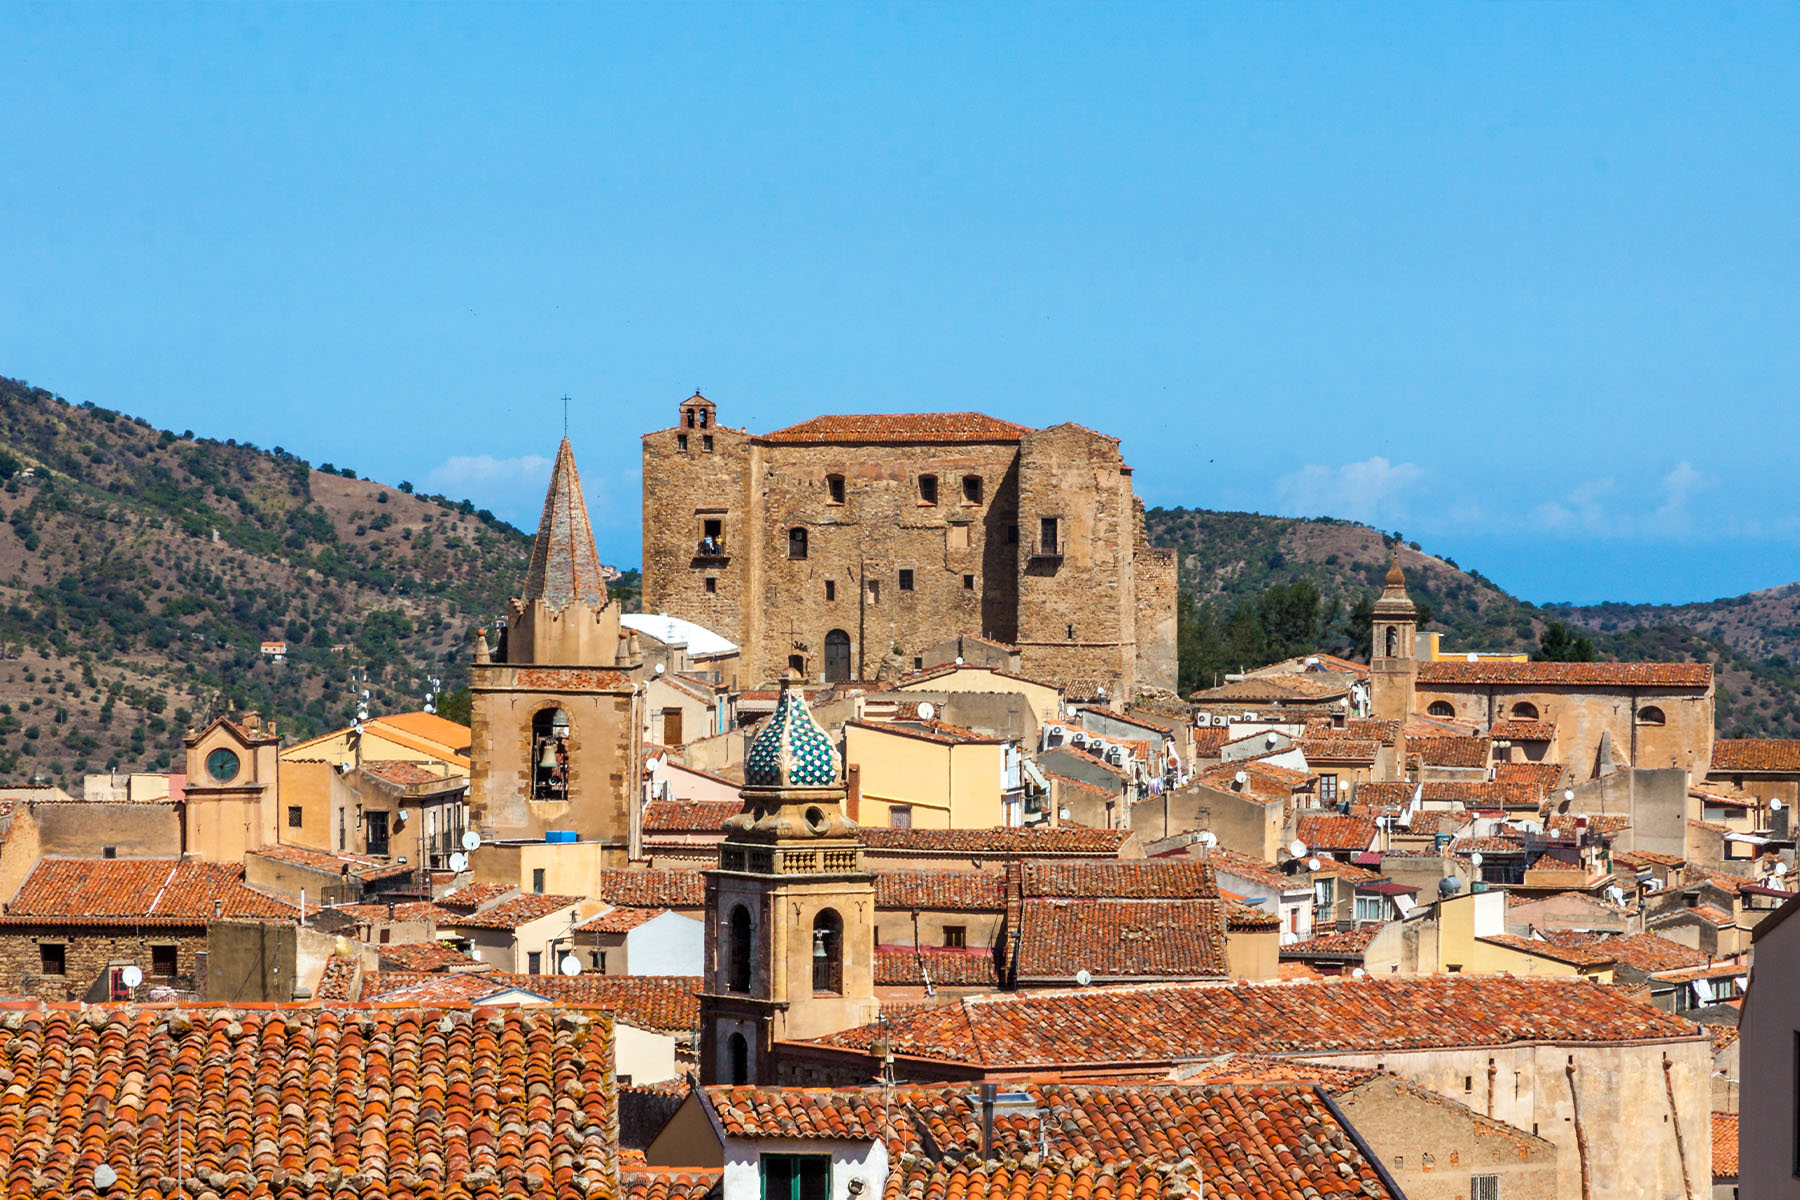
x=928, y=489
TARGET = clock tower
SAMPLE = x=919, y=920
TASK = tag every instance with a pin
x=228, y=807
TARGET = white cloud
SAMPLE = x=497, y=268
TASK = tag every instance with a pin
x=1678, y=487
x=468, y=474
x=1371, y=491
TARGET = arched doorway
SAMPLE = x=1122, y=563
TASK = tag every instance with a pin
x=837, y=657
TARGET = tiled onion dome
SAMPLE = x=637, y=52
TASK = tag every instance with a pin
x=791, y=750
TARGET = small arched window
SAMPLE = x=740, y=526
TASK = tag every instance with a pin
x=828, y=952
x=1442, y=709
x=739, y=950
x=1651, y=715
x=550, y=755
x=1525, y=710
x=738, y=1050
x=796, y=542
x=1393, y=641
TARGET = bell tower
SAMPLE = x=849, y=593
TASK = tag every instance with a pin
x=1393, y=658
x=790, y=912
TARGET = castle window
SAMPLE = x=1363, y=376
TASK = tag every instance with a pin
x=681, y=442
x=738, y=979
x=1048, y=541
x=712, y=586
x=828, y=952
x=162, y=962
x=796, y=542
x=1442, y=709
x=1524, y=711
x=1651, y=715
x=906, y=579
x=874, y=591
x=834, y=487
x=971, y=489
x=968, y=583
x=928, y=489
x=706, y=441
x=1393, y=641
x=52, y=958
x=739, y=1050
x=831, y=589
x=549, y=755
x=712, y=537
x=295, y=816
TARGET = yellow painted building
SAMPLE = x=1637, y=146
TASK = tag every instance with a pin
x=1044, y=700
x=419, y=737
x=924, y=775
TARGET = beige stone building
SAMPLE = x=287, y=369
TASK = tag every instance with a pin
x=848, y=547
x=557, y=707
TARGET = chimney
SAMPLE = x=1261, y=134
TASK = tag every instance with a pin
x=218, y=908
x=988, y=1092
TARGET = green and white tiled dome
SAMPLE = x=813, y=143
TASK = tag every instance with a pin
x=791, y=750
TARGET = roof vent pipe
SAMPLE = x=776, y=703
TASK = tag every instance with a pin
x=988, y=1092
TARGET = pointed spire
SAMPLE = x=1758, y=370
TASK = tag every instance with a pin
x=565, y=568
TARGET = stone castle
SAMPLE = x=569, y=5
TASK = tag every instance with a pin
x=843, y=547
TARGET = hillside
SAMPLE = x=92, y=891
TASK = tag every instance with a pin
x=1228, y=560
x=141, y=569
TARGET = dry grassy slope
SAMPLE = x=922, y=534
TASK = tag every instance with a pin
x=145, y=568
x=1752, y=641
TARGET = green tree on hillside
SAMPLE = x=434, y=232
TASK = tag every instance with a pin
x=1559, y=643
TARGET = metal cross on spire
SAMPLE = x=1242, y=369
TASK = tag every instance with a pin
x=565, y=416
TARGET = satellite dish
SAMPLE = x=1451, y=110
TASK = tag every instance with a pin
x=659, y=668
x=927, y=710
x=1271, y=739
x=959, y=661
x=1296, y=847
x=1313, y=864
x=471, y=841
x=1475, y=859
x=1241, y=777
x=1474, y=658
x=430, y=708
x=1082, y=978
x=569, y=965
x=1569, y=794
x=1358, y=973
x=1781, y=869
x=1775, y=806
x=459, y=863
x=1209, y=839
x=105, y=1176
x=131, y=976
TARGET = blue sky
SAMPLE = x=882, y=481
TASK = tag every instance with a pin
x=1517, y=280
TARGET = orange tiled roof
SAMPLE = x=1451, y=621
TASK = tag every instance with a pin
x=473, y=895
x=1024, y=841
x=1337, y=748
x=1137, y=879
x=140, y=891
x=1333, y=831
x=1449, y=751
x=1175, y=1022
x=520, y=910
x=1645, y=952
x=1372, y=728
x=1756, y=754
x=665, y=1003
x=1241, y=915
x=629, y=888
x=1567, y=825
x=643, y=1182
x=946, y=966
x=283, y=1100
x=1120, y=939
x=1568, y=674
x=1516, y=730
x=361, y=865
x=1263, y=781
x=1577, y=956
x=1725, y=1145
x=947, y=427
x=401, y=773
x=401, y=910
x=926, y=1178
x=1541, y=776
x=1243, y=866
x=1341, y=943
x=619, y=920
x=689, y=816
x=424, y=956
x=949, y=891
x=1208, y=739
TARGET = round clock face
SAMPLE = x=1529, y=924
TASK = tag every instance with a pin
x=222, y=765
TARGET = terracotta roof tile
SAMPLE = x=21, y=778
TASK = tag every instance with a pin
x=1332, y=831
x=1340, y=943
x=1522, y=731
x=947, y=427
x=1028, y=842
x=1336, y=748
x=1120, y=939
x=1724, y=1145
x=948, y=891
x=408, y=774
x=1449, y=751
x=360, y=866
x=1645, y=952
x=1756, y=754
x=400, y=910
x=1565, y=826
x=144, y=891
x=689, y=816
x=1373, y=728
x=1263, y=781
x=1568, y=674
x=1243, y=866
x=286, y=1101
x=1140, y=879
x=1208, y=739
x=1578, y=956
x=629, y=888
x=641, y=1182
x=472, y=896
x=1175, y=1022
x=619, y=920
x=520, y=910
x=946, y=966
x=424, y=956
x=664, y=1003
x=1240, y=915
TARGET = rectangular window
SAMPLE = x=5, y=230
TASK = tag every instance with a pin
x=162, y=962
x=537, y=880
x=971, y=489
x=712, y=586
x=706, y=442
x=534, y=963
x=52, y=958
x=1368, y=908
x=900, y=816
x=378, y=833
x=109, y=852
x=597, y=959
x=831, y=589
x=968, y=583
x=343, y=838
x=1484, y=1187
x=834, y=487
x=1047, y=540
x=874, y=591
x=294, y=816
x=906, y=579
x=681, y=442
x=928, y=489
x=956, y=936
x=1328, y=792
x=796, y=1176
